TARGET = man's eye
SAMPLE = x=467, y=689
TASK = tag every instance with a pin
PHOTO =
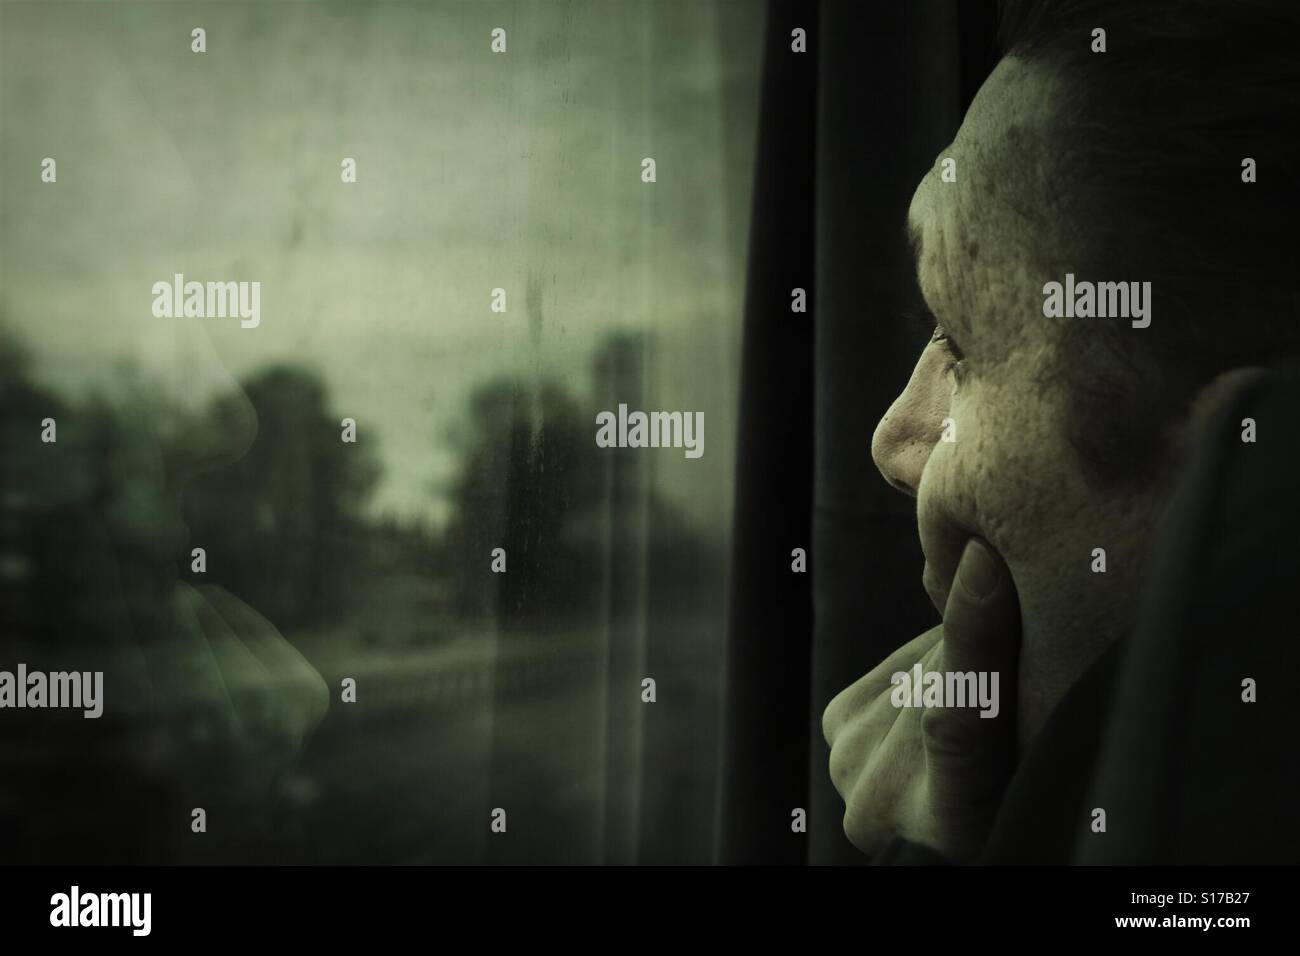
x=956, y=357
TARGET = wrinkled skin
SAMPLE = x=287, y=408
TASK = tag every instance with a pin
x=1009, y=478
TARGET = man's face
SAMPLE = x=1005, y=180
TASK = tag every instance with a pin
x=987, y=380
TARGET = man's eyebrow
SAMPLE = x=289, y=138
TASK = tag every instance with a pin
x=916, y=306
x=915, y=241
x=921, y=308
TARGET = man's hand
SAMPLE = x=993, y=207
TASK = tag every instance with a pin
x=934, y=776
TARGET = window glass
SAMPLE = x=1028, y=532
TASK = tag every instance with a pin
x=362, y=582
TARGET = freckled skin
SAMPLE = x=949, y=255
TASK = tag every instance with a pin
x=989, y=241
x=1010, y=476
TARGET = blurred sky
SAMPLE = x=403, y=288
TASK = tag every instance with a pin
x=475, y=171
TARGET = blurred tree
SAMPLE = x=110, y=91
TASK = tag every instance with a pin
x=529, y=474
x=283, y=526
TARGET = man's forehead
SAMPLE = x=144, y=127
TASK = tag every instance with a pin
x=920, y=214
x=930, y=223
x=966, y=229
x=916, y=215
x=952, y=232
x=944, y=209
x=984, y=153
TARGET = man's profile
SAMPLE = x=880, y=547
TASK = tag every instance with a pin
x=1040, y=510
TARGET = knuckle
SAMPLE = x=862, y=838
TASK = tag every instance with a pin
x=870, y=811
x=946, y=734
x=841, y=769
x=831, y=720
x=863, y=836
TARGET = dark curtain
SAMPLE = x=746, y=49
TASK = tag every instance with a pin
x=846, y=131
x=767, y=685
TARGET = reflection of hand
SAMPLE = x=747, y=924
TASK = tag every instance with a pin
x=934, y=776
x=230, y=687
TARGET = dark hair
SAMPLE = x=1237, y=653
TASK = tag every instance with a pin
x=1147, y=144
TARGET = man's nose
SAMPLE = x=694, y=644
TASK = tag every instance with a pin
x=907, y=433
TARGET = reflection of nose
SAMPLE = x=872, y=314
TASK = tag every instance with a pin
x=906, y=435
x=220, y=424
x=216, y=438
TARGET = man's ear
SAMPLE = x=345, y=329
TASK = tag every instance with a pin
x=1212, y=402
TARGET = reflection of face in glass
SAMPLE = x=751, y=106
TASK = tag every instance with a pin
x=378, y=306
x=200, y=691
